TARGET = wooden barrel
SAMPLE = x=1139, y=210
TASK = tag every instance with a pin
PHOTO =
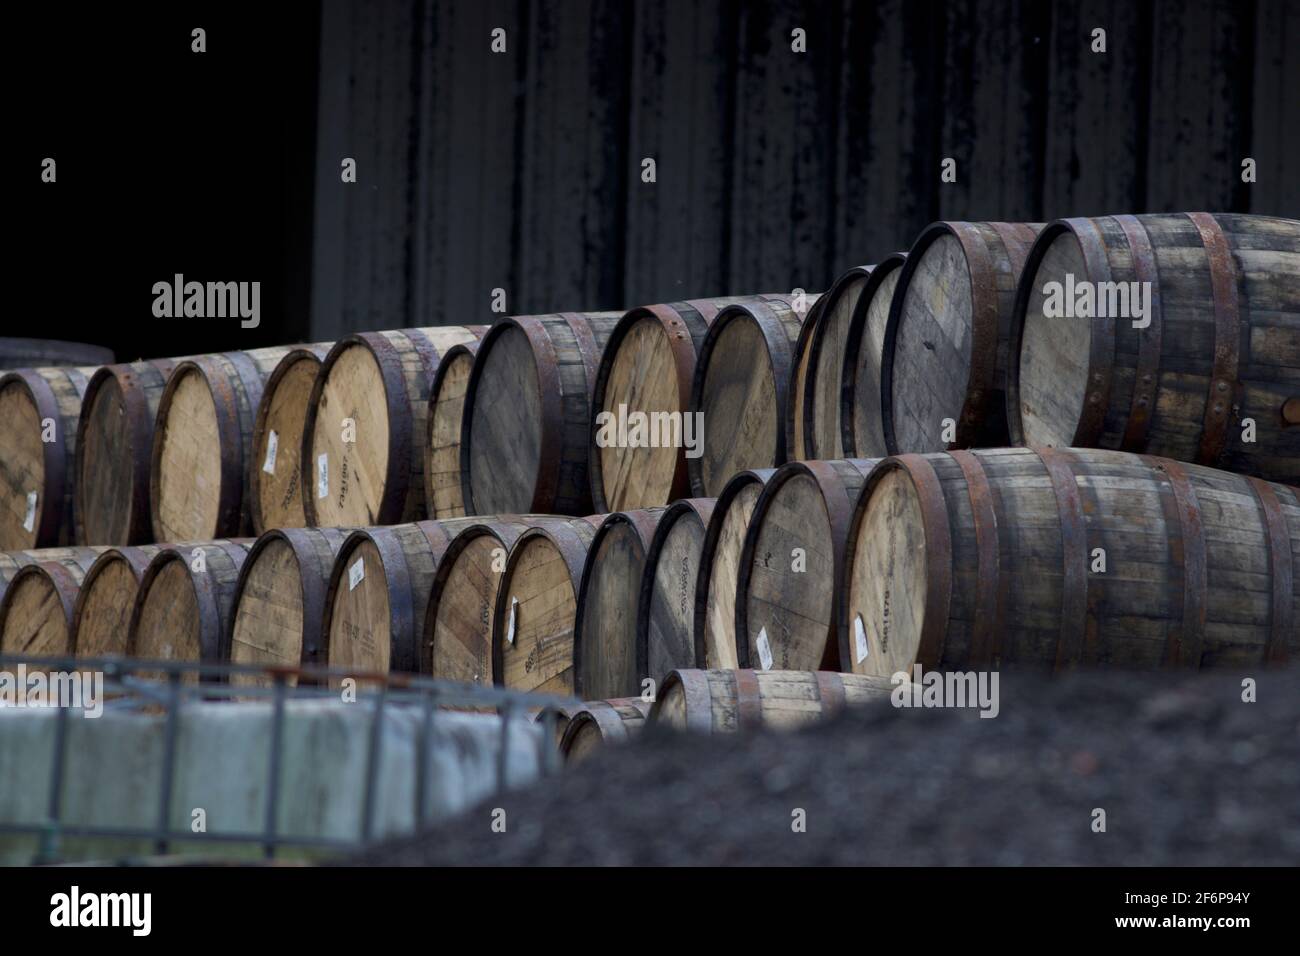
x=12, y=561
x=727, y=701
x=378, y=595
x=36, y=610
x=36, y=503
x=363, y=446
x=114, y=447
x=946, y=343
x=275, y=467
x=599, y=722
x=183, y=607
x=442, y=492
x=665, y=619
x=862, y=430
x=792, y=566
x=743, y=394
x=715, y=585
x=101, y=616
x=646, y=369
x=527, y=414
x=537, y=605
x=824, y=379
x=20, y=353
x=203, y=438
x=457, y=643
x=279, y=604
x=1220, y=343
x=1052, y=558
x=796, y=444
x=604, y=633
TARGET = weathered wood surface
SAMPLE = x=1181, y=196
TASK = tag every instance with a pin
x=36, y=610
x=275, y=467
x=363, y=451
x=993, y=558
x=730, y=701
x=20, y=353
x=527, y=414
x=601, y=722
x=862, y=430
x=665, y=636
x=1204, y=377
x=823, y=383
x=37, y=475
x=101, y=616
x=443, y=497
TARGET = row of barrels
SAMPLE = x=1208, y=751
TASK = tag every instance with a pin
x=1039, y=558
x=955, y=344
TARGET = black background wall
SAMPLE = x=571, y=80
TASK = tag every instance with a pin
x=521, y=170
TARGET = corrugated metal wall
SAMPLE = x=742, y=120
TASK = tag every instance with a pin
x=522, y=170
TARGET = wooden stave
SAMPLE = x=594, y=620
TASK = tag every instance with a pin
x=562, y=484
x=991, y=595
x=136, y=559
x=464, y=348
x=63, y=577
x=816, y=342
x=140, y=384
x=500, y=528
x=981, y=420
x=702, y=508
x=643, y=522
x=403, y=498
x=839, y=481
x=796, y=442
x=853, y=345
x=305, y=353
x=836, y=691
x=1099, y=422
x=571, y=538
x=617, y=720
x=56, y=526
x=711, y=533
x=11, y=562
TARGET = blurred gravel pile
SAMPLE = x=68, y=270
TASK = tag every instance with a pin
x=1187, y=773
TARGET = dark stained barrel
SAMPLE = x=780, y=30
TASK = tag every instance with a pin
x=600, y=722
x=666, y=608
x=862, y=430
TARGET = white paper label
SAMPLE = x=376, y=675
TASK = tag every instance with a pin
x=29, y=520
x=859, y=640
x=356, y=573
x=323, y=475
x=510, y=624
x=764, y=650
x=272, y=444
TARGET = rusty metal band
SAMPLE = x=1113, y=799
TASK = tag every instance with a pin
x=699, y=699
x=830, y=689
x=1282, y=628
x=1146, y=376
x=938, y=558
x=1101, y=343
x=1184, y=643
x=1225, y=388
x=987, y=629
x=984, y=329
x=749, y=701
x=1074, y=557
x=585, y=339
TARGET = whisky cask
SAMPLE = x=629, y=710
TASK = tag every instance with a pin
x=943, y=382
x=36, y=476
x=203, y=439
x=20, y=353
x=101, y=616
x=1050, y=559
x=646, y=369
x=604, y=633
x=36, y=610
x=457, y=641
x=442, y=492
x=600, y=722
x=795, y=434
x=184, y=604
x=279, y=603
x=378, y=595
x=824, y=380
x=1220, y=346
x=715, y=585
x=741, y=387
x=527, y=416
x=114, y=446
x=862, y=430
x=665, y=620
x=537, y=605
x=275, y=468
x=12, y=561
x=792, y=566
x=730, y=701
x=363, y=445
